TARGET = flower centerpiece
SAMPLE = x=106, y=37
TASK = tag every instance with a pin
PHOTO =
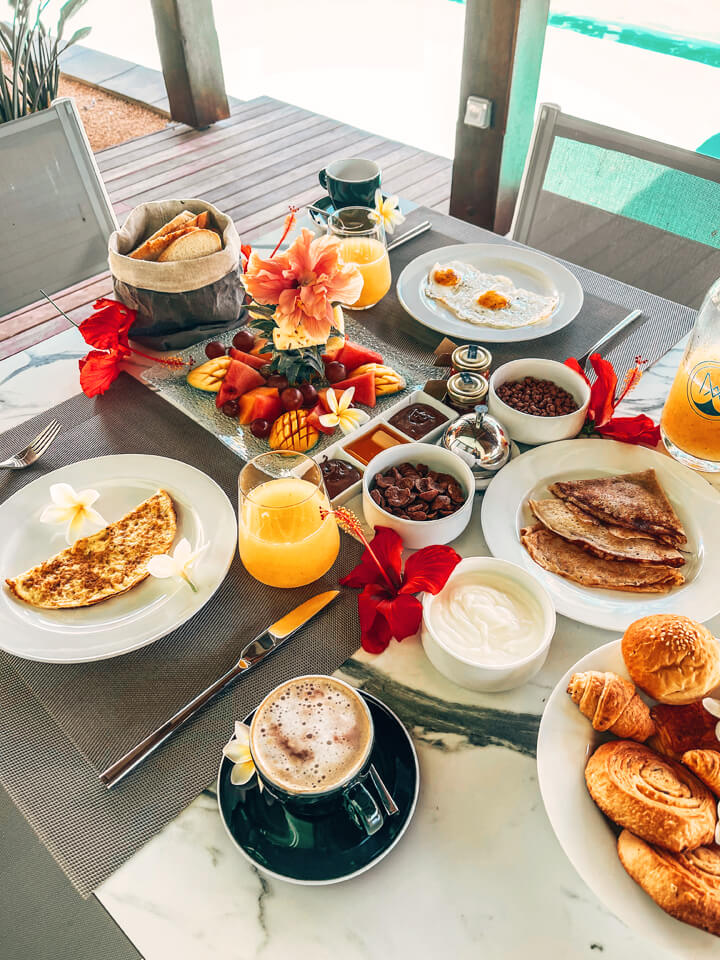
x=295, y=300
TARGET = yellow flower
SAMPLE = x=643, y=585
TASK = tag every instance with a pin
x=238, y=751
x=340, y=413
x=387, y=212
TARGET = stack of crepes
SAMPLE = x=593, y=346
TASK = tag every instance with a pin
x=616, y=533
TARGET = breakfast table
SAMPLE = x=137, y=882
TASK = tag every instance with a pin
x=479, y=870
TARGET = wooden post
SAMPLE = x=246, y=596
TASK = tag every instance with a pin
x=501, y=62
x=190, y=56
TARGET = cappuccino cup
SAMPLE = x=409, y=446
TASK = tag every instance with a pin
x=311, y=741
x=351, y=182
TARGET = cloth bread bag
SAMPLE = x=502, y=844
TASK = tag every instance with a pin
x=181, y=302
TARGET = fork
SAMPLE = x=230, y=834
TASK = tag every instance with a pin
x=35, y=449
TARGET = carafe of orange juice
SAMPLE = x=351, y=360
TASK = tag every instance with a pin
x=690, y=424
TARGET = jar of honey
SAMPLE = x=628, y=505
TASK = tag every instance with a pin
x=464, y=391
x=471, y=358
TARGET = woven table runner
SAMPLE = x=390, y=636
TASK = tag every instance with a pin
x=64, y=723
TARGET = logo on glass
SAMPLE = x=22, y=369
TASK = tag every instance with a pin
x=703, y=389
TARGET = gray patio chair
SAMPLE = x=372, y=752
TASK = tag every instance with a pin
x=641, y=211
x=56, y=216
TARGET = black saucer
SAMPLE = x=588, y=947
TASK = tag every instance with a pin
x=329, y=848
x=326, y=204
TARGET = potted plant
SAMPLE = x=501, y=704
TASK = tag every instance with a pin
x=30, y=70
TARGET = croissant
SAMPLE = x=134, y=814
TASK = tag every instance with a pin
x=611, y=704
x=705, y=764
x=652, y=796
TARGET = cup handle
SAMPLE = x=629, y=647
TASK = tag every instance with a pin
x=322, y=177
x=363, y=808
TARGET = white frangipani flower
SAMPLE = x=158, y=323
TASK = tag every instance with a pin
x=387, y=211
x=177, y=564
x=340, y=413
x=238, y=751
x=72, y=508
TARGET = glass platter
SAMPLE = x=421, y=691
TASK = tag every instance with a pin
x=200, y=406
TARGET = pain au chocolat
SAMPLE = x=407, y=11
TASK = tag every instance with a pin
x=685, y=885
x=653, y=796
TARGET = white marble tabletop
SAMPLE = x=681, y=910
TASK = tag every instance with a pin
x=479, y=872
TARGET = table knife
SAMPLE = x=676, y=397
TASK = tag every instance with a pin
x=260, y=647
x=607, y=337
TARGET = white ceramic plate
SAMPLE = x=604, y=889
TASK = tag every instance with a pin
x=565, y=742
x=525, y=267
x=505, y=512
x=150, y=610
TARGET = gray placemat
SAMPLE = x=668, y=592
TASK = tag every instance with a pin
x=606, y=302
x=63, y=724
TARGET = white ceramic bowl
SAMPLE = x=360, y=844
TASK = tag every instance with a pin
x=526, y=427
x=420, y=533
x=490, y=678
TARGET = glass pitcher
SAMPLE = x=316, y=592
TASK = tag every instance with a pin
x=690, y=424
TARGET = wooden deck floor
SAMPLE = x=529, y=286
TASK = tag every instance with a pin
x=252, y=166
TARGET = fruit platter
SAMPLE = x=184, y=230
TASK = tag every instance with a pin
x=255, y=398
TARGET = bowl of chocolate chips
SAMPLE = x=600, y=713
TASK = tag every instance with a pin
x=423, y=492
x=538, y=401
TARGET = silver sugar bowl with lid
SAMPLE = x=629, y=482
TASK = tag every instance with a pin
x=481, y=441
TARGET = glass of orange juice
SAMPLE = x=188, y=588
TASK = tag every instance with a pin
x=286, y=536
x=362, y=243
x=690, y=423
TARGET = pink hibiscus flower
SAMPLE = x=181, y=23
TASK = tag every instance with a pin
x=304, y=282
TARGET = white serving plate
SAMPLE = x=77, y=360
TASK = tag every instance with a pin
x=526, y=268
x=697, y=503
x=150, y=610
x=565, y=742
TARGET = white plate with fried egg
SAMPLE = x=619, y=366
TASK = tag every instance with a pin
x=492, y=292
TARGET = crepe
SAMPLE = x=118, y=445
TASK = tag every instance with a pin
x=572, y=562
x=105, y=564
x=575, y=526
x=634, y=501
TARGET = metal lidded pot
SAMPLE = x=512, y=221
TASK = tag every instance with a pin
x=471, y=358
x=464, y=391
x=481, y=442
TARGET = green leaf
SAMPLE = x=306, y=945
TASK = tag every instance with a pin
x=77, y=37
x=68, y=10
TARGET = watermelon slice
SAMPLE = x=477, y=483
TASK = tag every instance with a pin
x=262, y=402
x=238, y=380
x=364, y=385
x=249, y=358
x=355, y=355
x=313, y=419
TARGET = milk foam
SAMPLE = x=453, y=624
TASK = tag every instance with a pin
x=310, y=735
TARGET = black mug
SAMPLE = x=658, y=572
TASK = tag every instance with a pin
x=350, y=792
x=351, y=182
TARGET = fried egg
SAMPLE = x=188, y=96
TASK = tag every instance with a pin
x=486, y=299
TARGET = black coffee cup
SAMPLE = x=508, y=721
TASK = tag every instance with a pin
x=351, y=182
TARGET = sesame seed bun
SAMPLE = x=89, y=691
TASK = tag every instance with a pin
x=672, y=658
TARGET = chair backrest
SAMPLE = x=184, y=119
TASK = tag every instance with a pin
x=641, y=211
x=55, y=214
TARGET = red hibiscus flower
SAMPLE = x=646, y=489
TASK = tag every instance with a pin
x=107, y=329
x=387, y=606
x=604, y=400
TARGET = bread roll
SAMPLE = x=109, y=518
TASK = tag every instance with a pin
x=150, y=249
x=654, y=797
x=672, y=658
x=190, y=246
x=685, y=885
x=705, y=764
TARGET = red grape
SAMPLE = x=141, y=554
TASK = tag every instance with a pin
x=309, y=394
x=231, y=408
x=291, y=398
x=214, y=349
x=244, y=340
x=335, y=371
x=260, y=428
x=278, y=380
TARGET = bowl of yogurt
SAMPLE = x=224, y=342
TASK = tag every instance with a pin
x=490, y=627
